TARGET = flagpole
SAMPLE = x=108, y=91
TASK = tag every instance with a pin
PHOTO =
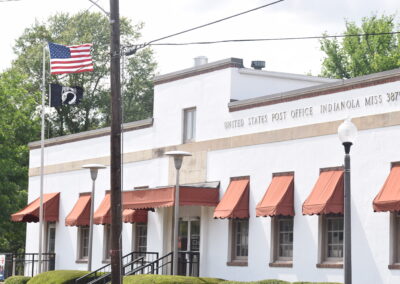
x=42, y=162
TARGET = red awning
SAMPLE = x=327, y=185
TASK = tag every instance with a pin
x=134, y=216
x=235, y=202
x=102, y=215
x=30, y=213
x=388, y=199
x=205, y=194
x=327, y=194
x=80, y=214
x=278, y=199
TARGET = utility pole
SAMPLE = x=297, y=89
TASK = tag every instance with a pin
x=115, y=145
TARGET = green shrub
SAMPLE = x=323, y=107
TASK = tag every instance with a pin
x=169, y=279
x=269, y=281
x=17, y=280
x=57, y=277
x=301, y=282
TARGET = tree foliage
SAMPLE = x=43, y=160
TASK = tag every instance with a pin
x=94, y=110
x=360, y=55
x=18, y=126
x=20, y=100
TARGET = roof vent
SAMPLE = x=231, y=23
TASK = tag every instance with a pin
x=200, y=60
x=258, y=65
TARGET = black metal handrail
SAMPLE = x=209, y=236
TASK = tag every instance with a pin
x=137, y=262
x=94, y=274
x=103, y=272
x=27, y=263
x=153, y=265
x=189, y=263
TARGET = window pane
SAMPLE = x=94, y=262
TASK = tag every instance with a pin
x=84, y=242
x=285, y=237
x=189, y=125
x=195, y=235
x=241, y=231
x=334, y=237
x=107, y=241
x=193, y=134
x=183, y=232
x=141, y=237
x=51, y=239
x=397, y=238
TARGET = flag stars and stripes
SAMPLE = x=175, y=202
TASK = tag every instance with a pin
x=70, y=59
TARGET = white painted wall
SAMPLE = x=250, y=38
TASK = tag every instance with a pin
x=70, y=184
x=371, y=158
x=210, y=93
x=250, y=83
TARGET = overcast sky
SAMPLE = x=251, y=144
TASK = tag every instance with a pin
x=290, y=18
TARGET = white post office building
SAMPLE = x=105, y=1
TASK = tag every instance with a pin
x=262, y=194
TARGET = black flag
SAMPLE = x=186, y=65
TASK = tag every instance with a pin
x=61, y=95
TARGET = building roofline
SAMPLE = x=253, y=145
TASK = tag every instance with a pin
x=197, y=70
x=283, y=75
x=319, y=90
x=130, y=126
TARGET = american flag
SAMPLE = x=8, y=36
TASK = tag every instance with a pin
x=70, y=59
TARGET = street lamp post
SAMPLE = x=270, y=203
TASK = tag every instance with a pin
x=347, y=132
x=178, y=157
x=93, y=173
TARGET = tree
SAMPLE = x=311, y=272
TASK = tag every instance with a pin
x=94, y=110
x=20, y=100
x=360, y=55
x=18, y=125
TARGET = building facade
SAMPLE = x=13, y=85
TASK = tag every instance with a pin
x=264, y=184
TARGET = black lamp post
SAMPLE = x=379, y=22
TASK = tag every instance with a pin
x=347, y=132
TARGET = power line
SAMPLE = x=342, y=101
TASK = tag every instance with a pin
x=136, y=47
x=271, y=39
x=8, y=0
x=217, y=21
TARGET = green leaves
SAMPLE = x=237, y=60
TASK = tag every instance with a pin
x=93, y=112
x=17, y=128
x=360, y=55
x=20, y=101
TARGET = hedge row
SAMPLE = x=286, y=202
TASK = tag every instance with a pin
x=17, y=280
x=169, y=279
x=69, y=276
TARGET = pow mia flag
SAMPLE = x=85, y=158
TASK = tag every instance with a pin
x=60, y=95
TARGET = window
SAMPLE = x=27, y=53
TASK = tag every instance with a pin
x=83, y=243
x=397, y=222
x=189, y=125
x=51, y=237
x=141, y=237
x=282, y=239
x=239, y=241
x=107, y=242
x=332, y=238
x=395, y=243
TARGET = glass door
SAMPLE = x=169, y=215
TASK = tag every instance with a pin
x=189, y=246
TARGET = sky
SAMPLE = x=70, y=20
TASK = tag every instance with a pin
x=290, y=18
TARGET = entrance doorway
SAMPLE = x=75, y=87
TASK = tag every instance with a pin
x=189, y=246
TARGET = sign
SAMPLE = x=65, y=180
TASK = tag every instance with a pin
x=352, y=104
x=2, y=266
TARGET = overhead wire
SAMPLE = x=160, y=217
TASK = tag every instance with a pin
x=134, y=48
x=273, y=39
